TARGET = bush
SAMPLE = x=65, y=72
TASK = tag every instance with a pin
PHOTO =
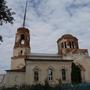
x=48, y=87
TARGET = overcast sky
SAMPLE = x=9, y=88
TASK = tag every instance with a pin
x=47, y=20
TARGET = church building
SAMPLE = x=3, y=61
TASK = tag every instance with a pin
x=35, y=68
x=29, y=68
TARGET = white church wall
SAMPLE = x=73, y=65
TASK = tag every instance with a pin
x=17, y=63
x=43, y=70
x=14, y=79
x=2, y=78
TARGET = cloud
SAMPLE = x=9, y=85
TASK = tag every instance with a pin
x=47, y=20
x=76, y=5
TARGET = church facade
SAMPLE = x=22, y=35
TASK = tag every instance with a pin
x=35, y=68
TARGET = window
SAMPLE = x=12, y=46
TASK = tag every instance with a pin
x=36, y=76
x=21, y=52
x=50, y=74
x=63, y=74
x=36, y=73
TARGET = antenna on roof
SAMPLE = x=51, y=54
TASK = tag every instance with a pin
x=25, y=13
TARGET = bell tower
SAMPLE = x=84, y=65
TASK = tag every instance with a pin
x=21, y=48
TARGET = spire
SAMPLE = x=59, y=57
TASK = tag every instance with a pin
x=25, y=13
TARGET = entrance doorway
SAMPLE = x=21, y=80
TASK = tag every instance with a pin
x=77, y=74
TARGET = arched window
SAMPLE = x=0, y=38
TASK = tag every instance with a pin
x=36, y=73
x=36, y=76
x=50, y=74
x=21, y=52
x=63, y=74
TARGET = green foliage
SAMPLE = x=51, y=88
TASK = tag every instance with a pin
x=75, y=74
x=5, y=13
x=55, y=87
x=6, y=16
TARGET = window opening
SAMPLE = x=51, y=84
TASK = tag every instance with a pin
x=63, y=74
x=50, y=74
x=36, y=76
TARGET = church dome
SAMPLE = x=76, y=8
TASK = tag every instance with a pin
x=67, y=43
x=67, y=36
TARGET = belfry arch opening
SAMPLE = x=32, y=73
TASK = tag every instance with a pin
x=22, y=41
x=68, y=44
x=22, y=37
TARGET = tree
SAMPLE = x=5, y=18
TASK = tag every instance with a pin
x=5, y=14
